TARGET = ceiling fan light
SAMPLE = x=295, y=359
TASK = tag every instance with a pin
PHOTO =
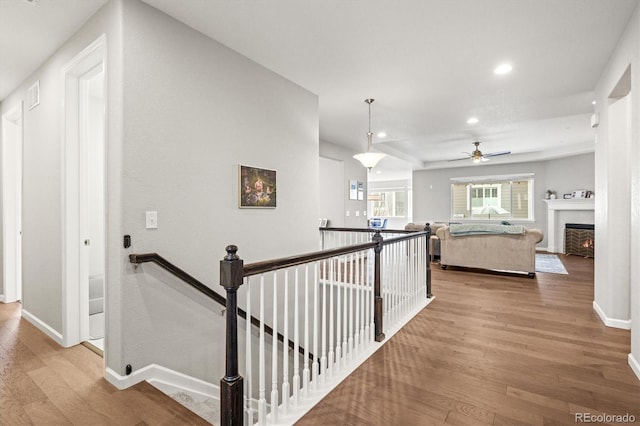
x=477, y=160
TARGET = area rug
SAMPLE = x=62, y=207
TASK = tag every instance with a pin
x=549, y=263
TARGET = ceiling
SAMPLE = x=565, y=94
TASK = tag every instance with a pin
x=428, y=64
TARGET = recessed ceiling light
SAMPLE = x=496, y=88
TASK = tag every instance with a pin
x=503, y=69
x=472, y=120
x=382, y=135
x=378, y=172
x=593, y=102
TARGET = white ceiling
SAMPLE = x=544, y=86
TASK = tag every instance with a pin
x=428, y=64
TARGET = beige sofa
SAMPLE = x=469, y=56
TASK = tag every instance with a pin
x=498, y=252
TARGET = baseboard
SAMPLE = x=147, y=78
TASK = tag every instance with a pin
x=611, y=322
x=1, y=298
x=541, y=248
x=44, y=327
x=164, y=379
x=635, y=365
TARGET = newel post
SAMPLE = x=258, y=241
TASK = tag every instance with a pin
x=428, y=275
x=231, y=385
x=377, y=281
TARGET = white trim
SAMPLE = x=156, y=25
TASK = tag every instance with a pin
x=72, y=291
x=44, y=327
x=163, y=378
x=541, y=248
x=12, y=164
x=635, y=365
x=611, y=322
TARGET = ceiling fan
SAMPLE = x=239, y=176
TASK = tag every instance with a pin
x=477, y=156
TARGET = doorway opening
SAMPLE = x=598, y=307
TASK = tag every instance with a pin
x=12, y=204
x=84, y=135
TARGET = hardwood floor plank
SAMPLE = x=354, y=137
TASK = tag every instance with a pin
x=11, y=411
x=66, y=399
x=45, y=413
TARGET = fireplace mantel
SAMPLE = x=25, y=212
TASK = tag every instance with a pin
x=553, y=206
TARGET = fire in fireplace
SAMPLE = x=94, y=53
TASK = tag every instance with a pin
x=579, y=239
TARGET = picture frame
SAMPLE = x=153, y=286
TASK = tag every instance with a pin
x=580, y=193
x=256, y=187
x=567, y=196
x=353, y=189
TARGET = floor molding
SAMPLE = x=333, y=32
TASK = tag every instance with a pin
x=635, y=365
x=44, y=327
x=157, y=374
x=611, y=322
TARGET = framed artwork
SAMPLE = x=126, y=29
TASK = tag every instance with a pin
x=257, y=187
x=353, y=189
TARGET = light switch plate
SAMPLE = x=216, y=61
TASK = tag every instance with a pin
x=152, y=220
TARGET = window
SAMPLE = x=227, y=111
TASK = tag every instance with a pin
x=388, y=203
x=492, y=198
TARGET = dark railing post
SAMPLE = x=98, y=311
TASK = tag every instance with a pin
x=377, y=281
x=428, y=277
x=231, y=385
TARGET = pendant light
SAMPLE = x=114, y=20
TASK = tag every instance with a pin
x=369, y=159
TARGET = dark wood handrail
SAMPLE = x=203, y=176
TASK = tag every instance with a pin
x=287, y=262
x=385, y=230
x=137, y=259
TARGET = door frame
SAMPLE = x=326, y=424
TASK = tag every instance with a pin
x=75, y=291
x=12, y=209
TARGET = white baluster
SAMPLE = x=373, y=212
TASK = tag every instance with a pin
x=285, y=347
x=345, y=322
x=262, y=401
x=351, y=284
x=296, y=343
x=248, y=418
x=332, y=283
x=356, y=337
x=274, y=354
x=306, y=373
x=323, y=360
x=338, y=314
x=315, y=367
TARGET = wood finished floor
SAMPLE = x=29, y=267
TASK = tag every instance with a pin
x=42, y=383
x=493, y=349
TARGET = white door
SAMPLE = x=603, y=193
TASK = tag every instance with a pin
x=12, y=203
x=84, y=194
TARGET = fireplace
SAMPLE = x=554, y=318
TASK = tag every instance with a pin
x=579, y=239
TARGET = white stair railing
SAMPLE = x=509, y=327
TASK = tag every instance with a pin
x=334, y=301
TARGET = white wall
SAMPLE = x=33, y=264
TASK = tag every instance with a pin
x=193, y=111
x=611, y=296
x=432, y=188
x=353, y=170
x=332, y=192
x=42, y=171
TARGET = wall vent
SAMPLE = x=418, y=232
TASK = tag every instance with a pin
x=33, y=95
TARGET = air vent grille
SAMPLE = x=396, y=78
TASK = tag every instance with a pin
x=33, y=95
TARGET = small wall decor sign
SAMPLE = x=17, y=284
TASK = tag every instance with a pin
x=257, y=187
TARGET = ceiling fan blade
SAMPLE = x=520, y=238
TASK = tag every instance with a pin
x=458, y=159
x=495, y=154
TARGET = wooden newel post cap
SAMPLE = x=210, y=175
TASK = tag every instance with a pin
x=427, y=228
x=231, y=269
x=231, y=252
